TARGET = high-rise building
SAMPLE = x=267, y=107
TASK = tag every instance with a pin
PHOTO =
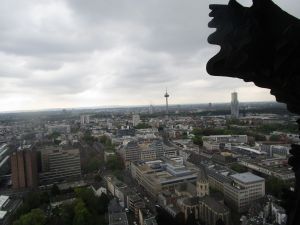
x=157, y=146
x=234, y=105
x=84, y=119
x=151, y=109
x=130, y=152
x=31, y=169
x=136, y=120
x=59, y=164
x=24, y=169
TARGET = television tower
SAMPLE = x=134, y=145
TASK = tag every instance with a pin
x=167, y=104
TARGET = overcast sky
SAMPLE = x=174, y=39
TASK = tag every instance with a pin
x=80, y=53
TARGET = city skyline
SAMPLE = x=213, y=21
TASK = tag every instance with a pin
x=65, y=54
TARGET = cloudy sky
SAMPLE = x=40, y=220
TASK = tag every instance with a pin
x=80, y=53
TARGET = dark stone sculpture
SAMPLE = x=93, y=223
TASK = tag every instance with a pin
x=261, y=44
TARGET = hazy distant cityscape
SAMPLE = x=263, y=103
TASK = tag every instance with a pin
x=149, y=112
x=169, y=164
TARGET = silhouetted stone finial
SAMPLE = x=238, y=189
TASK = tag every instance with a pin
x=261, y=44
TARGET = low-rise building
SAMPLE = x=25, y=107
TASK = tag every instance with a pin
x=146, y=217
x=59, y=128
x=115, y=214
x=274, y=167
x=159, y=175
x=135, y=203
x=117, y=188
x=130, y=152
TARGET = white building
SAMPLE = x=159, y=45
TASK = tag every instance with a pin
x=243, y=189
x=3, y=201
x=227, y=138
x=136, y=120
x=84, y=119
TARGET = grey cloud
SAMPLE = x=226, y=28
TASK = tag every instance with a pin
x=117, y=51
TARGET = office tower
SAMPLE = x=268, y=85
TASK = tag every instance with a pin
x=60, y=164
x=243, y=189
x=84, y=119
x=151, y=109
x=167, y=103
x=136, y=120
x=209, y=106
x=31, y=168
x=17, y=170
x=157, y=146
x=234, y=105
x=130, y=152
x=24, y=169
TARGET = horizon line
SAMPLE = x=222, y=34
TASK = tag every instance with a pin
x=119, y=106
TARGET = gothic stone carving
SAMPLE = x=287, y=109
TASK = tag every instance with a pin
x=261, y=44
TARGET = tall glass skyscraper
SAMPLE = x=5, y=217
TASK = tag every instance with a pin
x=234, y=105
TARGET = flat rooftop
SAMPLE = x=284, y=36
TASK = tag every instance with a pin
x=3, y=200
x=2, y=214
x=247, y=177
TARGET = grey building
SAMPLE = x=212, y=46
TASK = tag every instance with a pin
x=234, y=105
x=59, y=164
x=243, y=190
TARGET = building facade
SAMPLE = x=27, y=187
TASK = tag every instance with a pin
x=59, y=164
x=243, y=190
x=24, y=169
x=205, y=209
x=234, y=105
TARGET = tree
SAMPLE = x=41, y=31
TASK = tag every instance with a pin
x=55, y=190
x=238, y=168
x=87, y=196
x=82, y=215
x=88, y=138
x=276, y=187
x=54, y=135
x=67, y=214
x=208, y=131
x=142, y=126
x=113, y=163
x=93, y=164
x=31, y=201
x=197, y=140
x=35, y=217
x=275, y=138
x=105, y=140
x=259, y=137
